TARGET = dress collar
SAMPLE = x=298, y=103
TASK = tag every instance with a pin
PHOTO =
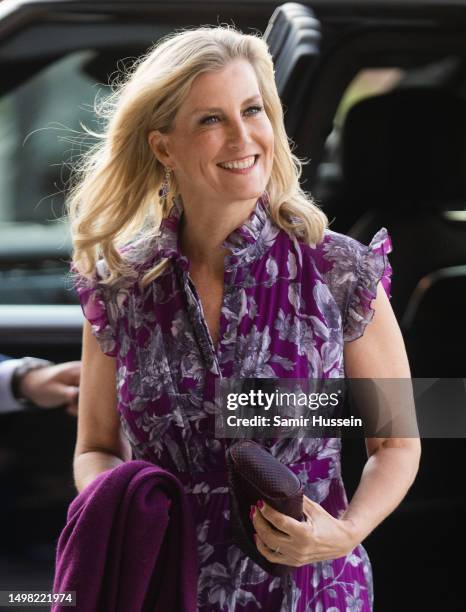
x=246, y=243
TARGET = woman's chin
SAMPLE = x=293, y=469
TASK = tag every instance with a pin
x=245, y=193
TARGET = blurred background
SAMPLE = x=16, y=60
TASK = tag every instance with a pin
x=374, y=98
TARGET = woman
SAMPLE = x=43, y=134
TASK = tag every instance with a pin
x=240, y=279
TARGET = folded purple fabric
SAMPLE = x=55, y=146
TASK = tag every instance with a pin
x=129, y=544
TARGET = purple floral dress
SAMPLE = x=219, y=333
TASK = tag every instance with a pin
x=287, y=310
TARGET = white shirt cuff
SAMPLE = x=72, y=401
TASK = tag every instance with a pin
x=7, y=402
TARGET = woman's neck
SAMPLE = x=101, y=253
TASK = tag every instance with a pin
x=204, y=229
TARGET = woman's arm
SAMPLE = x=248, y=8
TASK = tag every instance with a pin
x=101, y=444
x=389, y=472
x=392, y=462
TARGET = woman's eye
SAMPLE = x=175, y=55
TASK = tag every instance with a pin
x=211, y=119
x=253, y=110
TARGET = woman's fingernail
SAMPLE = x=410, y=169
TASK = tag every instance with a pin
x=260, y=504
x=252, y=509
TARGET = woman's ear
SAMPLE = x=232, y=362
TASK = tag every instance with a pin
x=158, y=143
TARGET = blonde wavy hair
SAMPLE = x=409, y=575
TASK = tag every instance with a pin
x=114, y=196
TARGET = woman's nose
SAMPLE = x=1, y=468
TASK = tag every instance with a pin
x=238, y=135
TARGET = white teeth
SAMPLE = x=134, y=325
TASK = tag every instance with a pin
x=240, y=165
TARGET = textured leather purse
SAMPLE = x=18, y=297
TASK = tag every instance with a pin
x=254, y=473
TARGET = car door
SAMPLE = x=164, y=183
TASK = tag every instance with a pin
x=312, y=84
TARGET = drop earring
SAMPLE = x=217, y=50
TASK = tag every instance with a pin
x=165, y=189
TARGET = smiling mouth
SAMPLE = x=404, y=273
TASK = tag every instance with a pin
x=244, y=163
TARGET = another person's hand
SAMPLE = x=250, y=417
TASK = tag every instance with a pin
x=53, y=386
x=320, y=537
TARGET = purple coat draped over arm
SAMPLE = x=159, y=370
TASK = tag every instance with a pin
x=129, y=544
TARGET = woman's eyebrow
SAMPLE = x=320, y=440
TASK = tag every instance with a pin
x=215, y=109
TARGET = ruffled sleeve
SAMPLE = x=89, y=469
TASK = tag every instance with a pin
x=371, y=267
x=96, y=298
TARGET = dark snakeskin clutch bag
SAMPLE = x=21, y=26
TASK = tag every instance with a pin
x=255, y=474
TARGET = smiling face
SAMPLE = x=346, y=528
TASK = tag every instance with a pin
x=221, y=144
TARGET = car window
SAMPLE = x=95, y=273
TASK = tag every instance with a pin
x=40, y=135
x=367, y=82
x=328, y=183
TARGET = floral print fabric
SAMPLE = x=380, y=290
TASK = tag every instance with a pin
x=287, y=310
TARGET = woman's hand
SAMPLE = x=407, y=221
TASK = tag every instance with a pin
x=320, y=537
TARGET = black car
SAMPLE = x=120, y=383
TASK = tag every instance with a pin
x=375, y=100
